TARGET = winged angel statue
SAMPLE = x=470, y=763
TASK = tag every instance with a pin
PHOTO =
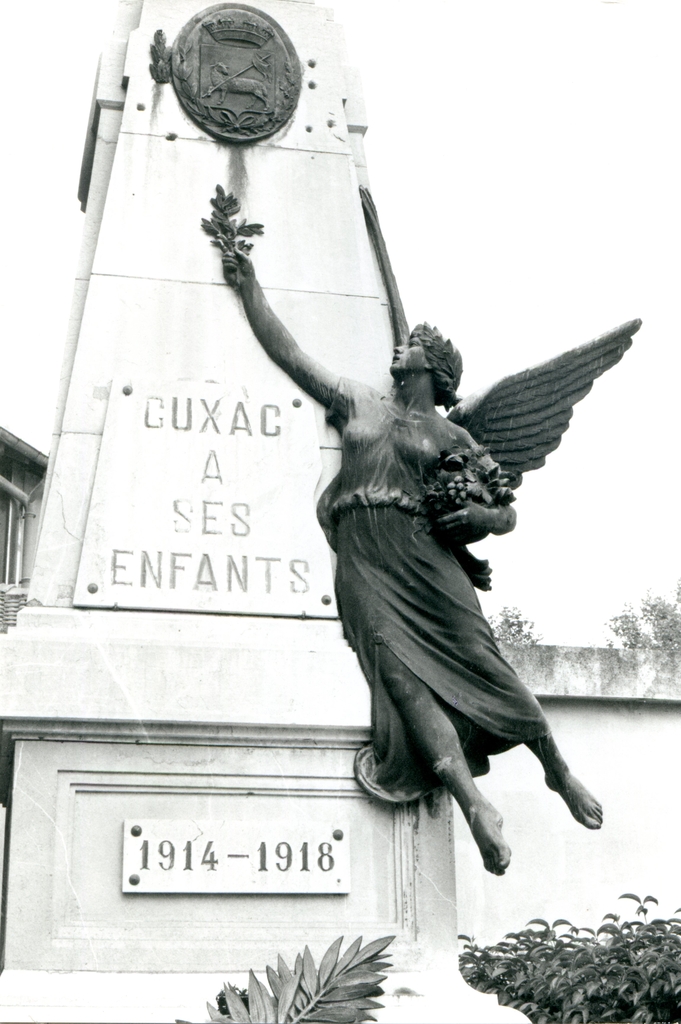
x=443, y=696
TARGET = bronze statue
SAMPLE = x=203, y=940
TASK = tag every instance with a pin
x=443, y=696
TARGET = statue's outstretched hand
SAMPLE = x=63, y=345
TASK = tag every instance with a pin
x=475, y=522
x=237, y=268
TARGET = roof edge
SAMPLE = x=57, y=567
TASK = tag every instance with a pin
x=22, y=448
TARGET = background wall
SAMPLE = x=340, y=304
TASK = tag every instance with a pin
x=625, y=750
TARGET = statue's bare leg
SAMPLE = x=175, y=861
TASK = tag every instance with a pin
x=583, y=806
x=438, y=742
x=483, y=819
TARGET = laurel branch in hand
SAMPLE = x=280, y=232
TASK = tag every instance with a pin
x=226, y=233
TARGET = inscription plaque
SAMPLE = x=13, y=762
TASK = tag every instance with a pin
x=204, y=501
x=236, y=856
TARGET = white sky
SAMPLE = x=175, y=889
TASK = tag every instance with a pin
x=525, y=160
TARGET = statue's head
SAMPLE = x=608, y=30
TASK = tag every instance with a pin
x=443, y=359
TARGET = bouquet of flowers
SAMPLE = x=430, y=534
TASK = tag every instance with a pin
x=462, y=477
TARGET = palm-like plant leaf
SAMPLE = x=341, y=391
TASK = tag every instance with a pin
x=310, y=973
x=357, y=976
x=329, y=961
x=336, y=993
x=257, y=1003
x=287, y=996
x=276, y=984
x=235, y=1005
x=214, y=1013
x=302, y=998
x=282, y=967
x=371, y=950
x=335, y=1015
x=347, y=958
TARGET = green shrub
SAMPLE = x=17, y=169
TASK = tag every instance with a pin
x=628, y=971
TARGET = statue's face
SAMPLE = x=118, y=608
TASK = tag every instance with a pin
x=408, y=358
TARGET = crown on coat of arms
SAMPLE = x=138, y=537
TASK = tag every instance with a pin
x=228, y=29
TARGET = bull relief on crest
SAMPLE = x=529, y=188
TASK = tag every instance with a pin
x=236, y=73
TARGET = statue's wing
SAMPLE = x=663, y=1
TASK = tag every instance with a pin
x=398, y=320
x=523, y=417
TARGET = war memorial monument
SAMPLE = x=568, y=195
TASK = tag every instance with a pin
x=260, y=498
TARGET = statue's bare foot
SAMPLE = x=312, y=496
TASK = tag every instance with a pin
x=584, y=807
x=485, y=824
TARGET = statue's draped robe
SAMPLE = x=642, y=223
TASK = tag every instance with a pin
x=408, y=607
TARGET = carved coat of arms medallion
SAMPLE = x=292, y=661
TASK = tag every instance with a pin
x=236, y=73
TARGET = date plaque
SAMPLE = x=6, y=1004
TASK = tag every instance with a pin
x=235, y=856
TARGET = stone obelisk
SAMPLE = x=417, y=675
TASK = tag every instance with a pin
x=179, y=708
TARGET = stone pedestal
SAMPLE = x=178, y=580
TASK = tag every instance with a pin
x=125, y=715
x=164, y=690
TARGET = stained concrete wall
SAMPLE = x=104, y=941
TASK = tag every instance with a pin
x=616, y=716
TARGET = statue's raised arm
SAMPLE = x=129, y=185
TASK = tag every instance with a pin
x=279, y=343
x=414, y=489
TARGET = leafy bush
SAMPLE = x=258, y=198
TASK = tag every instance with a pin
x=628, y=971
x=512, y=628
x=339, y=992
x=655, y=625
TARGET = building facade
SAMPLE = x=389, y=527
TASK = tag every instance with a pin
x=22, y=472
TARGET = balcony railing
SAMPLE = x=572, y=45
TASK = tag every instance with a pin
x=12, y=599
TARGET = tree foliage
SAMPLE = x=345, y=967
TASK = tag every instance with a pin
x=655, y=625
x=510, y=627
x=621, y=972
